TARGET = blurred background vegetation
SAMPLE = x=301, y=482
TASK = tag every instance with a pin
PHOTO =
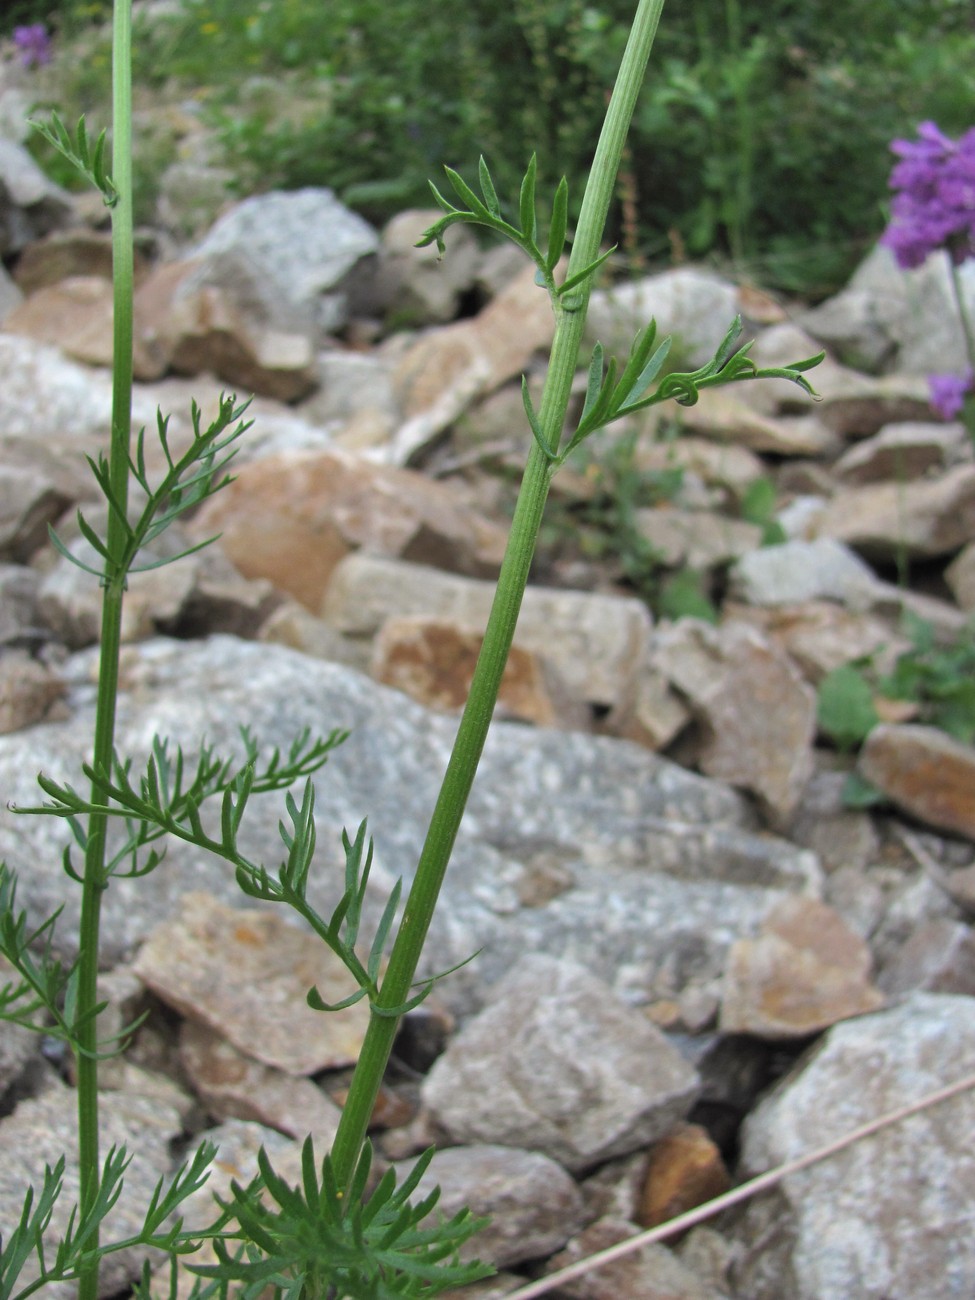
x=761, y=139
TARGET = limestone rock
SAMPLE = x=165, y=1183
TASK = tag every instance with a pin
x=799, y=571
x=245, y=974
x=43, y=1128
x=596, y=643
x=699, y=539
x=860, y=406
x=444, y=370
x=29, y=502
x=820, y=635
x=722, y=415
x=418, y=286
x=652, y=1271
x=292, y=518
x=887, y=1216
x=927, y=518
x=960, y=577
x=30, y=205
x=351, y=386
x=433, y=661
x=654, y=715
x=234, y=1086
x=28, y=690
x=533, y=1204
x=902, y=452
x=939, y=957
x=694, y=306
x=894, y=319
x=303, y=242
x=556, y=1062
x=655, y=871
x=924, y=772
x=718, y=463
x=805, y=971
x=215, y=315
x=18, y=605
x=758, y=713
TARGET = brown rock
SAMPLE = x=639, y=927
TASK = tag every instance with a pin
x=234, y=1086
x=245, y=974
x=718, y=464
x=63, y=254
x=652, y=1271
x=433, y=661
x=726, y=417
x=654, y=715
x=29, y=501
x=960, y=577
x=901, y=452
x=27, y=691
x=701, y=539
x=191, y=326
x=806, y=970
x=925, y=773
x=927, y=518
x=442, y=373
x=685, y=1170
x=76, y=315
x=292, y=517
x=820, y=635
x=597, y=643
x=856, y=405
x=757, y=713
x=939, y=957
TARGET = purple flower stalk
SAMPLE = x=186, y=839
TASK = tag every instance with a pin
x=34, y=45
x=948, y=393
x=934, y=204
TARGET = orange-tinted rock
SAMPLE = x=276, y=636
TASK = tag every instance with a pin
x=925, y=773
x=806, y=970
x=685, y=1170
x=433, y=661
x=76, y=315
x=190, y=326
x=757, y=714
x=245, y=973
x=66, y=253
x=234, y=1086
x=442, y=373
x=292, y=517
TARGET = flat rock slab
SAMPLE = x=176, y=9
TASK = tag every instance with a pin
x=556, y=1063
x=45, y=1127
x=534, y=1205
x=573, y=844
x=925, y=773
x=234, y=1086
x=246, y=974
x=889, y=1217
x=805, y=971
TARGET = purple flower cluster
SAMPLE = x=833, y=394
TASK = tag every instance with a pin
x=948, y=393
x=934, y=206
x=34, y=44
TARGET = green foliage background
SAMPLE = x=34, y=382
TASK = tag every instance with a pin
x=762, y=134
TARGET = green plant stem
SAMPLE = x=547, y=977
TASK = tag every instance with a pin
x=114, y=586
x=472, y=732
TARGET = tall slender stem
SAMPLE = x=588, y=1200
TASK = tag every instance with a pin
x=95, y=880
x=472, y=732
